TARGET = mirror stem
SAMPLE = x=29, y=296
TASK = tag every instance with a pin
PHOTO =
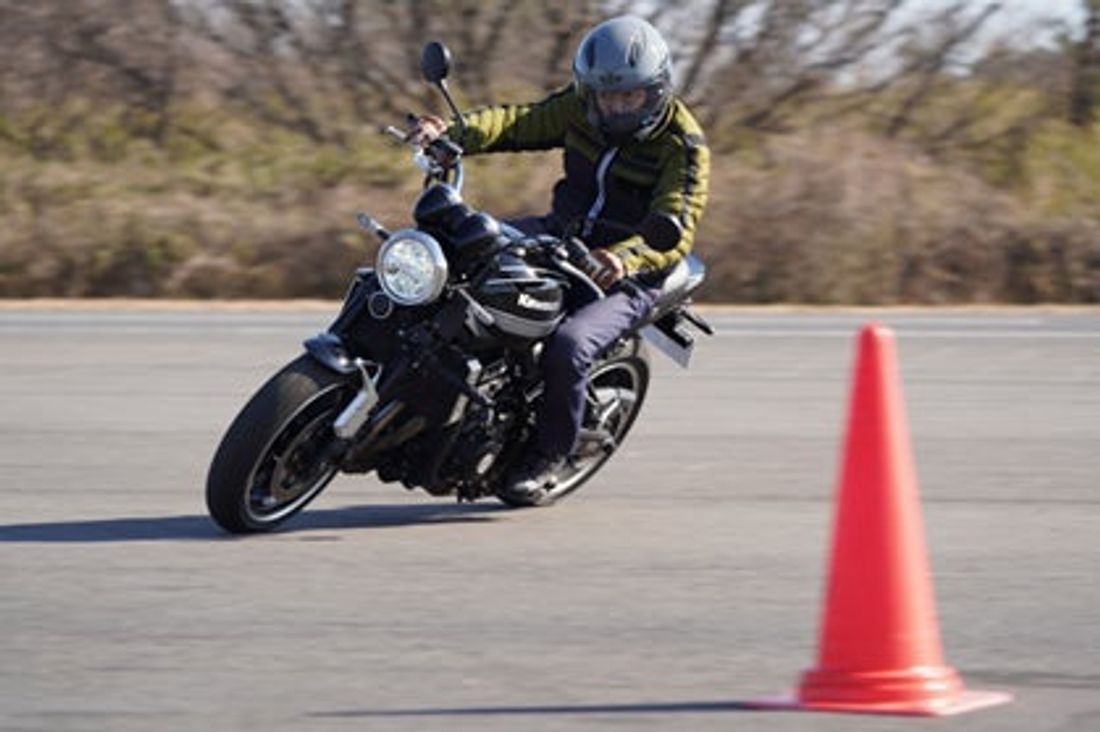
x=454, y=107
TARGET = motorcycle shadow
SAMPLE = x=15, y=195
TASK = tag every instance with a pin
x=202, y=528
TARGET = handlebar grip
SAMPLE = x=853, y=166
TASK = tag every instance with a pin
x=578, y=253
x=581, y=256
x=450, y=146
x=629, y=286
x=443, y=151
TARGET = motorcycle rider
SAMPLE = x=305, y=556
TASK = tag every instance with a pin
x=631, y=149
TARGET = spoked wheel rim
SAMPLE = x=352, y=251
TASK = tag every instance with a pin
x=614, y=397
x=293, y=467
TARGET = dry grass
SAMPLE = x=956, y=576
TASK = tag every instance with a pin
x=843, y=217
x=825, y=216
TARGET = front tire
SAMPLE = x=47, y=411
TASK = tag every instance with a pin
x=274, y=458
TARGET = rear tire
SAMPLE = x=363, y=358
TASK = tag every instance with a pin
x=272, y=460
x=617, y=386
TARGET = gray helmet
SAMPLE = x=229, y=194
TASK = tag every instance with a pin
x=622, y=54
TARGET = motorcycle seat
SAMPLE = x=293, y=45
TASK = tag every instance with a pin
x=685, y=277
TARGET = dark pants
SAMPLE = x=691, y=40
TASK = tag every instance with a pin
x=590, y=326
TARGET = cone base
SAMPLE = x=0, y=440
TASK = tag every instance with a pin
x=966, y=701
x=911, y=685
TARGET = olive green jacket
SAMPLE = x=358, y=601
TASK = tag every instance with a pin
x=667, y=172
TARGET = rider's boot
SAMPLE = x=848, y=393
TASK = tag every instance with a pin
x=527, y=482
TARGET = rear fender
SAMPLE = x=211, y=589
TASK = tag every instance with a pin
x=669, y=334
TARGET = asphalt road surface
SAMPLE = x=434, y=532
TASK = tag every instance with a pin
x=684, y=581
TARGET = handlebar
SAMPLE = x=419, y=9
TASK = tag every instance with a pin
x=575, y=258
x=437, y=159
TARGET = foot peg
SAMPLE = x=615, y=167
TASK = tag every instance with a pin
x=602, y=439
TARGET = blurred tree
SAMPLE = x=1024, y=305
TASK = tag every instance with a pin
x=875, y=127
x=565, y=23
x=325, y=68
x=322, y=67
x=927, y=62
x=1086, y=80
x=58, y=57
x=757, y=64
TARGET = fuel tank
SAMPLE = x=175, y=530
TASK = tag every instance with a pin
x=525, y=301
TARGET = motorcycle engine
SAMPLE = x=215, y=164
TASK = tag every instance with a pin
x=483, y=436
x=478, y=445
x=462, y=458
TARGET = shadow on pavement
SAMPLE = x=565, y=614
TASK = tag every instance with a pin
x=202, y=528
x=687, y=707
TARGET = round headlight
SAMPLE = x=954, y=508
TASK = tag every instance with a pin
x=411, y=267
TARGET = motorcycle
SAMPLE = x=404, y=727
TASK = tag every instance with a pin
x=429, y=375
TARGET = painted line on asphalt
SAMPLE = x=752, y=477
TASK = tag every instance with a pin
x=905, y=333
x=885, y=319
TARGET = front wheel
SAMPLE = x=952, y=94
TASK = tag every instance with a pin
x=275, y=456
x=617, y=385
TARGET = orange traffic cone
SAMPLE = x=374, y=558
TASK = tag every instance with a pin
x=879, y=646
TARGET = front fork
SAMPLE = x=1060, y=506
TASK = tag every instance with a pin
x=348, y=422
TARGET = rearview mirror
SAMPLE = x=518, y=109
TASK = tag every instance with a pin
x=661, y=231
x=435, y=62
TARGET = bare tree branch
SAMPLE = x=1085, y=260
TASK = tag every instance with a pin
x=566, y=21
x=1086, y=77
x=720, y=13
x=931, y=64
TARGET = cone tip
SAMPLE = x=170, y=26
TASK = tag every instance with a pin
x=875, y=331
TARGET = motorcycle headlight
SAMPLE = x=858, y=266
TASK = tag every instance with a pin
x=411, y=267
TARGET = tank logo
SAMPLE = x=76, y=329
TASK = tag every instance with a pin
x=531, y=303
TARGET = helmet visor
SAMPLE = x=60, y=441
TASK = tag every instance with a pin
x=628, y=111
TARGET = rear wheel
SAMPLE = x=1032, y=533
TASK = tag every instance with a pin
x=617, y=386
x=275, y=457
